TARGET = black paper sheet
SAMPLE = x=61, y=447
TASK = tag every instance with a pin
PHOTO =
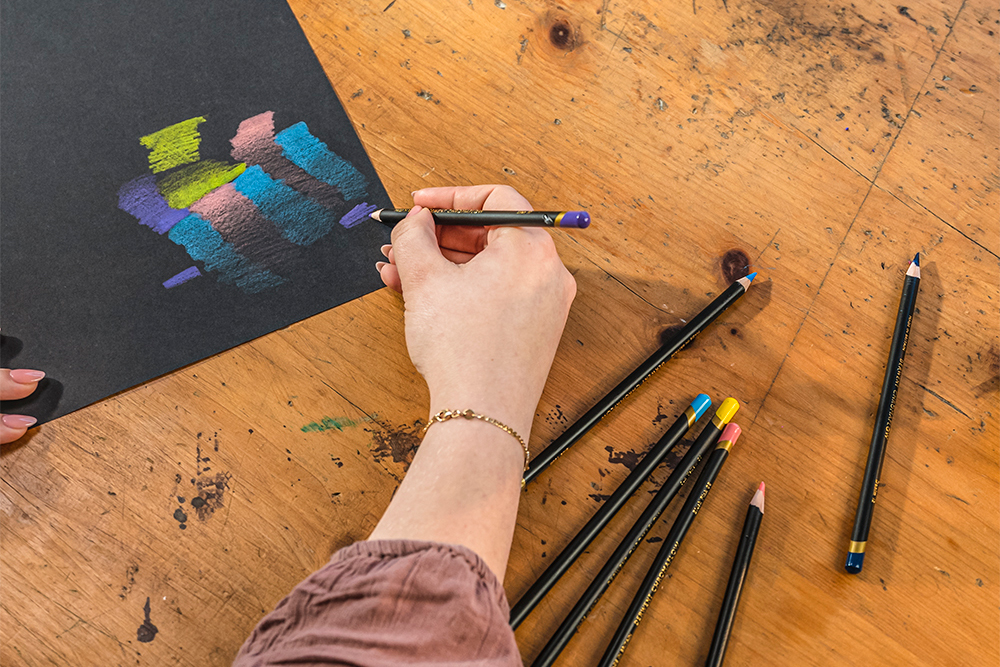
x=176, y=178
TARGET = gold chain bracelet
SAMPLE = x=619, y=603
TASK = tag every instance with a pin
x=445, y=415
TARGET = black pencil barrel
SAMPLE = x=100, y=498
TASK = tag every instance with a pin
x=633, y=380
x=744, y=552
x=626, y=547
x=883, y=422
x=604, y=514
x=664, y=557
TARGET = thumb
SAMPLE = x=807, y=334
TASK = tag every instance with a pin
x=415, y=246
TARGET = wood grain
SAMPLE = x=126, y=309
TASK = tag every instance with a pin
x=820, y=145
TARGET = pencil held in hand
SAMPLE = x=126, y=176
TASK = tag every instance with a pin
x=570, y=219
x=741, y=563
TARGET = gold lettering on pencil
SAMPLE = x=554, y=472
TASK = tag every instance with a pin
x=875, y=491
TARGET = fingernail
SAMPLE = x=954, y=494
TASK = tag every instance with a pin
x=414, y=211
x=379, y=265
x=385, y=250
x=25, y=376
x=18, y=421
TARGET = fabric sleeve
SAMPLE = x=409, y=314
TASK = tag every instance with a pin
x=390, y=602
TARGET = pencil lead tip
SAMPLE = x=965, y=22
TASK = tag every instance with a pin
x=376, y=215
x=761, y=488
x=752, y=276
x=758, y=498
x=916, y=259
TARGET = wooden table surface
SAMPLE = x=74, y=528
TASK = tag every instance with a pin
x=821, y=144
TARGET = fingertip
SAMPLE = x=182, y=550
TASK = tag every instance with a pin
x=390, y=277
x=26, y=375
x=9, y=435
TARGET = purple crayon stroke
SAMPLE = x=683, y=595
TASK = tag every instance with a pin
x=357, y=214
x=140, y=198
x=242, y=225
x=182, y=277
x=254, y=144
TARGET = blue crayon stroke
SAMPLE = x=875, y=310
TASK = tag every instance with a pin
x=300, y=220
x=206, y=245
x=182, y=277
x=357, y=214
x=311, y=155
x=140, y=198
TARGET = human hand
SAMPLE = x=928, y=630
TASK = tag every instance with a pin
x=16, y=384
x=485, y=307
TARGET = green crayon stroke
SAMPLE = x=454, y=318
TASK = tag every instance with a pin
x=189, y=184
x=174, y=145
x=331, y=423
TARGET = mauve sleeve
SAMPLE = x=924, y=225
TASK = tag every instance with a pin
x=390, y=602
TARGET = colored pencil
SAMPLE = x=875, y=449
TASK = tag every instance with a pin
x=565, y=219
x=667, y=552
x=628, y=545
x=883, y=420
x=738, y=575
x=636, y=377
x=607, y=511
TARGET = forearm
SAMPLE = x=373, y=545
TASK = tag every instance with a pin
x=462, y=488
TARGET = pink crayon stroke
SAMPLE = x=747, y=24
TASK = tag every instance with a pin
x=242, y=225
x=254, y=144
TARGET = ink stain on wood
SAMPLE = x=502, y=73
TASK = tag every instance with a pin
x=628, y=459
x=599, y=497
x=398, y=443
x=734, y=265
x=147, y=631
x=555, y=416
x=211, y=494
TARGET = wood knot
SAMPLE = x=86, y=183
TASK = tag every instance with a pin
x=561, y=35
x=735, y=265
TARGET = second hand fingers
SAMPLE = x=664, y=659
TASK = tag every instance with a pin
x=18, y=383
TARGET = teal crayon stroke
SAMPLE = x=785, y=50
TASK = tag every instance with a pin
x=204, y=244
x=312, y=156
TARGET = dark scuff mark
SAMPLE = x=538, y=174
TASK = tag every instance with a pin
x=668, y=334
x=400, y=443
x=957, y=498
x=599, y=497
x=628, y=459
x=147, y=631
x=905, y=11
x=389, y=6
x=734, y=264
x=654, y=540
x=211, y=494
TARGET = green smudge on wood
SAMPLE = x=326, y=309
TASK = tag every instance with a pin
x=331, y=423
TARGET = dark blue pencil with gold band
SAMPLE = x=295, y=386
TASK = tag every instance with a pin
x=607, y=511
x=883, y=420
x=566, y=219
x=671, y=544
